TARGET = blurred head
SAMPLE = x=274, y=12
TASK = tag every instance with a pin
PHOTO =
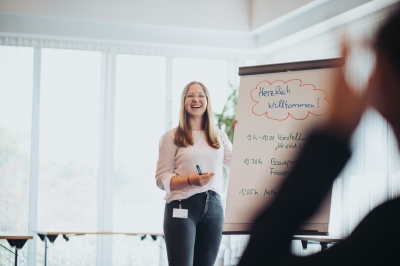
x=385, y=79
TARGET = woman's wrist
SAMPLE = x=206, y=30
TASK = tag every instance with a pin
x=179, y=182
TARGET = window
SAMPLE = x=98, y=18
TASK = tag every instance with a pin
x=139, y=124
x=69, y=151
x=16, y=76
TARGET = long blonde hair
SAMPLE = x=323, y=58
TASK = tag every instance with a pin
x=183, y=136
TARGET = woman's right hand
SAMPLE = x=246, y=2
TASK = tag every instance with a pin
x=201, y=180
x=234, y=122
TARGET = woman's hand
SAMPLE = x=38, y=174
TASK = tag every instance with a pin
x=234, y=122
x=201, y=180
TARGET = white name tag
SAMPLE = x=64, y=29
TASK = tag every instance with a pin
x=180, y=213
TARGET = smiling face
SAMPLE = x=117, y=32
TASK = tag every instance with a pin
x=195, y=101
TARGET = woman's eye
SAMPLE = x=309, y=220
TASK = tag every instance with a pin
x=191, y=96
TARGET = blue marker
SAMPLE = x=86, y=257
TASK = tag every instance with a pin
x=199, y=170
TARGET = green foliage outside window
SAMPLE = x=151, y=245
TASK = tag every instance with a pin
x=225, y=118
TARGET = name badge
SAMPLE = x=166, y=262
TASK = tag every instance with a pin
x=180, y=213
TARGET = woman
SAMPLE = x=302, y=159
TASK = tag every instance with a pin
x=375, y=241
x=193, y=217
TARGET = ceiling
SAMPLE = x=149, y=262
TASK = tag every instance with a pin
x=238, y=25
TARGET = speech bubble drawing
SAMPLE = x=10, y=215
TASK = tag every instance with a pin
x=278, y=100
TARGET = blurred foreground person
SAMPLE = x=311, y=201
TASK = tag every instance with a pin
x=376, y=240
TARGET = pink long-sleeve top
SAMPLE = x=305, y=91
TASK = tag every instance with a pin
x=180, y=161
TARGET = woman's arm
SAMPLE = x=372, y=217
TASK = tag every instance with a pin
x=227, y=150
x=178, y=182
x=166, y=161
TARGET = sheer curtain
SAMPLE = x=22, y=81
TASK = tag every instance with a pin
x=16, y=81
x=139, y=123
x=69, y=151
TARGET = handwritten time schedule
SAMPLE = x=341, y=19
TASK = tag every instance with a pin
x=275, y=114
x=277, y=167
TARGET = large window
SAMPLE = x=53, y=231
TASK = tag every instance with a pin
x=139, y=124
x=77, y=117
x=69, y=151
x=16, y=75
x=69, y=146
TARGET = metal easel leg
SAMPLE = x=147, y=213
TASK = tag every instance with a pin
x=45, y=250
x=16, y=256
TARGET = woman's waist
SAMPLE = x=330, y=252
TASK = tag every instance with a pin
x=186, y=171
x=182, y=195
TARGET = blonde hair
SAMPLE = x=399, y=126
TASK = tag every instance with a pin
x=183, y=134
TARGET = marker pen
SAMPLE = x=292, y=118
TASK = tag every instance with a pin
x=199, y=170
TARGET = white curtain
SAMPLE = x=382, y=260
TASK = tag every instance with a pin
x=16, y=71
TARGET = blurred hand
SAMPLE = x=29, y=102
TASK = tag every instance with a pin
x=201, y=180
x=384, y=92
x=347, y=107
x=233, y=125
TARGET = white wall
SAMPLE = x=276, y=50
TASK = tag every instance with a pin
x=264, y=11
x=232, y=15
x=237, y=26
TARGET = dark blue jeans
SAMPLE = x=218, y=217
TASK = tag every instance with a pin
x=195, y=240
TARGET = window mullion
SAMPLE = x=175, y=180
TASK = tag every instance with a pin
x=168, y=94
x=106, y=163
x=34, y=160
